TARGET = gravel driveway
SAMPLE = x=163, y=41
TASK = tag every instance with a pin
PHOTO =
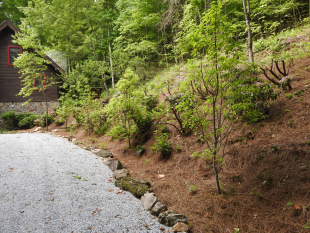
x=50, y=185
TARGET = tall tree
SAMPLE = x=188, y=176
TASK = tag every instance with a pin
x=32, y=66
x=246, y=8
x=10, y=9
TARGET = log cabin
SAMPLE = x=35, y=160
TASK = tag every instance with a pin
x=10, y=82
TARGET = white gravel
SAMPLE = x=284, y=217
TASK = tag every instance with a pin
x=40, y=190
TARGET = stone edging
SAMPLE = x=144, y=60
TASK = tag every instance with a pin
x=140, y=189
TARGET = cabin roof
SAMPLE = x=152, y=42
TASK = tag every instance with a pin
x=8, y=23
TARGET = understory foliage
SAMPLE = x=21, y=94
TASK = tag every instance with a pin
x=118, y=45
x=19, y=120
x=217, y=89
x=130, y=109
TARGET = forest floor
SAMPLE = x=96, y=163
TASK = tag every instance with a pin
x=265, y=178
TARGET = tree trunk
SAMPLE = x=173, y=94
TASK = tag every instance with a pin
x=46, y=109
x=105, y=85
x=110, y=54
x=246, y=9
x=216, y=172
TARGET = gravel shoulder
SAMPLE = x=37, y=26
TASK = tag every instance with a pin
x=50, y=185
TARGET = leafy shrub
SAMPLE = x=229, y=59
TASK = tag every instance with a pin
x=77, y=114
x=251, y=98
x=59, y=121
x=143, y=122
x=150, y=101
x=50, y=120
x=162, y=145
x=19, y=120
x=9, y=119
x=140, y=150
x=102, y=129
x=27, y=122
x=20, y=116
x=38, y=122
x=117, y=132
x=129, y=108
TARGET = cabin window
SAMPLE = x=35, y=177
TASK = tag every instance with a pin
x=13, y=52
x=39, y=81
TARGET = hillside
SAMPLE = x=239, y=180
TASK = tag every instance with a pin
x=265, y=178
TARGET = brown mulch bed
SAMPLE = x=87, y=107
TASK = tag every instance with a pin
x=266, y=178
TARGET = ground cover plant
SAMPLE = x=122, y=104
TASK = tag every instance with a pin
x=181, y=99
x=19, y=120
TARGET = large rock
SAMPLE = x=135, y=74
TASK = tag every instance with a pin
x=135, y=186
x=148, y=201
x=114, y=165
x=169, y=218
x=120, y=174
x=180, y=227
x=104, y=154
x=158, y=207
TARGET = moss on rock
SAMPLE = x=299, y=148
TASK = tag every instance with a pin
x=135, y=186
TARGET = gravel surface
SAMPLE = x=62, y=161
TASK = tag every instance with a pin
x=50, y=185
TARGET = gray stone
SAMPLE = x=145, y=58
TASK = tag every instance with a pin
x=148, y=201
x=135, y=186
x=120, y=174
x=105, y=154
x=95, y=151
x=114, y=165
x=180, y=227
x=158, y=207
x=106, y=161
x=37, y=129
x=90, y=147
x=71, y=137
x=170, y=218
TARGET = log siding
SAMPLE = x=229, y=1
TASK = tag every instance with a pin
x=10, y=82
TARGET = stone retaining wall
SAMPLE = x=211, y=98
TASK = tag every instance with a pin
x=35, y=107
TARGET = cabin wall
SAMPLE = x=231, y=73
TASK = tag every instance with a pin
x=10, y=83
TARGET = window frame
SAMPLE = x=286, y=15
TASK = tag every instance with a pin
x=34, y=82
x=13, y=46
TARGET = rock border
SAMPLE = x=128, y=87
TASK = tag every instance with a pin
x=138, y=188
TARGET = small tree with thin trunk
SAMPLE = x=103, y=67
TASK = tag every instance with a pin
x=32, y=66
x=206, y=102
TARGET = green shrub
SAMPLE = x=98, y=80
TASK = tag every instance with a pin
x=101, y=129
x=38, y=122
x=117, y=132
x=162, y=145
x=59, y=121
x=20, y=116
x=9, y=119
x=251, y=98
x=50, y=120
x=150, y=101
x=19, y=120
x=27, y=122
